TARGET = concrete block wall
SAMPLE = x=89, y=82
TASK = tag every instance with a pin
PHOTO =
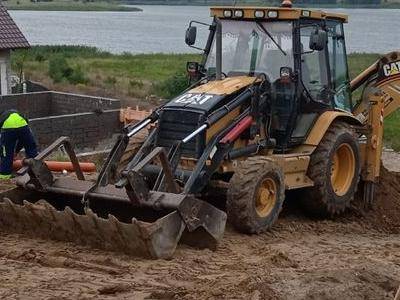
x=63, y=103
x=87, y=120
x=50, y=103
x=32, y=105
x=85, y=129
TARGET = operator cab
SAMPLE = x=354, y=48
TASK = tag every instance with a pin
x=299, y=53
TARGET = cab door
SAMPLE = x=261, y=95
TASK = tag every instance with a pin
x=315, y=71
x=340, y=81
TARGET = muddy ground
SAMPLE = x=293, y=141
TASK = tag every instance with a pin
x=353, y=257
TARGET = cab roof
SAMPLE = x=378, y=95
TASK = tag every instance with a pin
x=268, y=13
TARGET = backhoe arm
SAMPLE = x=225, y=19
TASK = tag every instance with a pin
x=381, y=97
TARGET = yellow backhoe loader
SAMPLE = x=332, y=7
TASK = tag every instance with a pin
x=269, y=109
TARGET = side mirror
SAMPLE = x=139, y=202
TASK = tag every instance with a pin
x=190, y=37
x=318, y=40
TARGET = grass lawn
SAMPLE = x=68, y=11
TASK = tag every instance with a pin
x=137, y=78
x=67, y=5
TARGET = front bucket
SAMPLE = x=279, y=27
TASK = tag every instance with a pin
x=64, y=218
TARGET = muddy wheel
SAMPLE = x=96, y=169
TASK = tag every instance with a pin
x=133, y=147
x=335, y=169
x=255, y=195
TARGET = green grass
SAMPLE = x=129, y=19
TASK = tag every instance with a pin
x=136, y=78
x=67, y=5
x=392, y=131
x=358, y=63
x=125, y=76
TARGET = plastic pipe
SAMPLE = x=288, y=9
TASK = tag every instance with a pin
x=59, y=166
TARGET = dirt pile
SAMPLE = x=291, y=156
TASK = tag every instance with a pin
x=385, y=213
x=387, y=204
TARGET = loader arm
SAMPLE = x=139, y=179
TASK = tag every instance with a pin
x=380, y=98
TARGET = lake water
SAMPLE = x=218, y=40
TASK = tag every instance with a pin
x=161, y=28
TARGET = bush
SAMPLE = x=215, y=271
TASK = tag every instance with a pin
x=77, y=76
x=135, y=88
x=60, y=70
x=135, y=83
x=39, y=57
x=172, y=86
x=110, y=82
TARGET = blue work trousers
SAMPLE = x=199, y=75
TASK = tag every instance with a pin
x=12, y=140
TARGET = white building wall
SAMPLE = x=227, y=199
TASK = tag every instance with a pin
x=5, y=72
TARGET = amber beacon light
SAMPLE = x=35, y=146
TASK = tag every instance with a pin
x=286, y=3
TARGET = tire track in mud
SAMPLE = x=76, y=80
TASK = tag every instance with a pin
x=353, y=257
x=303, y=264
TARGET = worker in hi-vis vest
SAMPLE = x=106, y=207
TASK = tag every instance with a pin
x=15, y=134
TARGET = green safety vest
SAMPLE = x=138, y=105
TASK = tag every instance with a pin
x=13, y=121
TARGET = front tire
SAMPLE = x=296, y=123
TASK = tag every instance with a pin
x=255, y=195
x=335, y=169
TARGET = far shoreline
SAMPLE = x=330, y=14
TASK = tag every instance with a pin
x=310, y=6
x=69, y=6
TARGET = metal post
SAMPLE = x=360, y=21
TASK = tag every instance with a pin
x=218, y=49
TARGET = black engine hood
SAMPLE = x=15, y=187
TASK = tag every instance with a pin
x=211, y=95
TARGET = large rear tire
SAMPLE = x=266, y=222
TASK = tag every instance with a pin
x=255, y=195
x=335, y=169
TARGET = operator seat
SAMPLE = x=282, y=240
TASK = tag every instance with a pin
x=283, y=94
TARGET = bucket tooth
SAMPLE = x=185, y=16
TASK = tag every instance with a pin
x=37, y=218
x=123, y=239
x=102, y=231
x=18, y=217
x=99, y=231
x=8, y=215
x=64, y=226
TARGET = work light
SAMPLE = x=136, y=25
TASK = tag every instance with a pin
x=227, y=13
x=239, y=13
x=272, y=14
x=259, y=14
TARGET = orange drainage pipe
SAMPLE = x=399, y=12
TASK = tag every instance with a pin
x=59, y=166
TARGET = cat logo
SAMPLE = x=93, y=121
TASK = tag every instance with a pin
x=391, y=69
x=192, y=98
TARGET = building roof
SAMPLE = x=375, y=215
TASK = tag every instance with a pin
x=10, y=35
x=283, y=13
